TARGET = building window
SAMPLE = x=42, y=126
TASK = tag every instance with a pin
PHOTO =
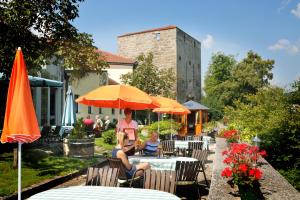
x=179, y=57
x=157, y=36
x=76, y=104
x=190, y=62
x=100, y=110
x=89, y=110
x=112, y=111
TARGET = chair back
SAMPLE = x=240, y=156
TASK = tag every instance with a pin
x=102, y=176
x=197, y=137
x=160, y=180
x=168, y=145
x=187, y=171
x=195, y=145
x=117, y=163
x=200, y=155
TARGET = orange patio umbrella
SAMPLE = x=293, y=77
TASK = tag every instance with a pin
x=169, y=106
x=118, y=96
x=20, y=123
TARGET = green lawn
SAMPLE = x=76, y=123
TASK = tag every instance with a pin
x=100, y=143
x=37, y=170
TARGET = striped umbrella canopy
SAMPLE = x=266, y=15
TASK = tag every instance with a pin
x=69, y=116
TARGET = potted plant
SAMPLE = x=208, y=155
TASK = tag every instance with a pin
x=79, y=144
x=243, y=169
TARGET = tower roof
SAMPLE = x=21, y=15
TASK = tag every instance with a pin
x=150, y=30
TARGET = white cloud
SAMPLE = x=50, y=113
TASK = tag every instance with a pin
x=284, y=44
x=296, y=11
x=283, y=5
x=208, y=41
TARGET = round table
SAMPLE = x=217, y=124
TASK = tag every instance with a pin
x=103, y=193
x=159, y=163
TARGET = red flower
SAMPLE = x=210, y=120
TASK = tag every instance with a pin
x=228, y=160
x=226, y=172
x=243, y=168
x=256, y=173
x=263, y=153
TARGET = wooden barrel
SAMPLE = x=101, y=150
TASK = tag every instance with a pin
x=79, y=148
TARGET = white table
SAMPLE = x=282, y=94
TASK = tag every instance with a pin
x=159, y=163
x=102, y=193
x=185, y=144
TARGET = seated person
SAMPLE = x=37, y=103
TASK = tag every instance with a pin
x=150, y=147
x=118, y=152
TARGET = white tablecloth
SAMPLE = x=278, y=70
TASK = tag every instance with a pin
x=102, y=193
x=184, y=144
x=159, y=163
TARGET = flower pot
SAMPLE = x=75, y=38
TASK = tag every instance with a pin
x=248, y=192
x=79, y=148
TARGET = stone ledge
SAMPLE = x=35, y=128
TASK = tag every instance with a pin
x=273, y=185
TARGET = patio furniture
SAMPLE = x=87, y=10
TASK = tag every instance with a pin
x=197, y=137
x=160, y=180
x=206, y=142
x=159, y=163
x=187, y=174
x=103, y=193
x=194, y=145
x=168, y=147
x=201, y=155
x=122, y=178
x=102, y=176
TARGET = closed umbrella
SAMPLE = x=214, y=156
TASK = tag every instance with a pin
x=69, y=116
x=20, y=123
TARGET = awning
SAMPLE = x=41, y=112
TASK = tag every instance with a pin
x=192, y=105
x=37, y=82
x=43, y=82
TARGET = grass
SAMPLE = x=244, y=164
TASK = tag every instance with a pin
x=36, y=170
x=100, y=143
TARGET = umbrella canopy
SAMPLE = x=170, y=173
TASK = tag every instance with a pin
x=169, y=106
x=118, y=96
x=69, y=116
x=20, y=123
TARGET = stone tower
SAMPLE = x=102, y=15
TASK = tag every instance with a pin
x=172, y=48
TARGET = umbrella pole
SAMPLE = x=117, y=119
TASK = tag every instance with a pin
x=158, y=116
x=171, y=128
x=19, y=171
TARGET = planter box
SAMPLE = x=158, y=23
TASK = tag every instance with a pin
x=79, y=148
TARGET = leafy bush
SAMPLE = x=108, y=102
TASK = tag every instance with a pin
x=79, y=130
x=164, y=127
x=109, y=136
x=210, y=126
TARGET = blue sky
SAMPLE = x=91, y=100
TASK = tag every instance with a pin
x=270, y=28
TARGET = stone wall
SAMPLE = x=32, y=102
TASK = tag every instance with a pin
x=172, y=48
x=188, y=67
x=273, y=185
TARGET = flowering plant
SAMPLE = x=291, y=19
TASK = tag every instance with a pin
x=231, y=136
x=242, y=159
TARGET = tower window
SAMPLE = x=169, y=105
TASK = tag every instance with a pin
x=157, y=36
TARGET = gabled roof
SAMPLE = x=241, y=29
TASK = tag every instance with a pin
x=113, y=58
x=150, y=30
x=192, y=105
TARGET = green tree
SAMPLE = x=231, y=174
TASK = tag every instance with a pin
x=147, y=77
x=43, y=29
x=218, y=74
x=228, y=80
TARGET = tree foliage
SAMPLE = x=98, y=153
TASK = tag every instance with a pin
x=271, y=116
x=42, y=29
x=228, y=80
x=150, y=79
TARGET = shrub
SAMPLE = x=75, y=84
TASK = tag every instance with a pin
x=164, y=127
x=109, y=136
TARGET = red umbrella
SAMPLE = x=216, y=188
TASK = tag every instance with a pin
x=20, y=123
